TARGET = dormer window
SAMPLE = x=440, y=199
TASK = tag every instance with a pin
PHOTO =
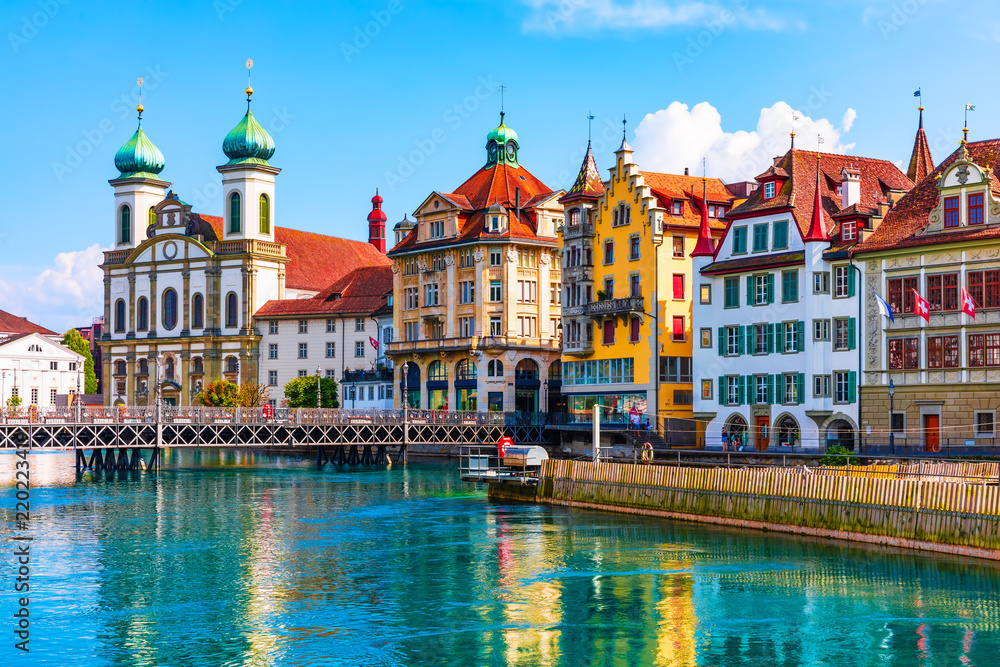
x=495, y=223
x=677, y=208
x=769, y=190
x=839, y=190
x=849, y=231
x=951, y=212
x=976, y=209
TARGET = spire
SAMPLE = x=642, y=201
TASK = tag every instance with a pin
x=704, y=247
x=139, y=158
x=588, y=183
x=793, y=141
x=248, y=142
x=376, y=223
x=817, y=227
x=921, y=162
x=624, y=146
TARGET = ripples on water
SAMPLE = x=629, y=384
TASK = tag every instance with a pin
x=230, y=559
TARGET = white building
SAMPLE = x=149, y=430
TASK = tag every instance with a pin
x=36, y=368
x=775, y=315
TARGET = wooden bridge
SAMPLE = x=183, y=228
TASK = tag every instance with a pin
x=116, y=436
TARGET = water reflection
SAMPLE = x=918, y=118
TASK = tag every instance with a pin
x=232, y=558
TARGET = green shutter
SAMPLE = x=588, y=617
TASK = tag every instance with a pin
x=722, y=341
x=740, y=340
x=770, y=388
x=722, y=390
x=779, y=388
x=850, y=280
x=751, y=391
x=800, y=382
x=850, y=334
x=770, y=288
x=800, y=336
x=740, y=390
x=770, y=338
x=852, y=387
x=750, y=294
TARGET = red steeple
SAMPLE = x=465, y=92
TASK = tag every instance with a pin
x=376, y=224
x=921, y=162
x=817, y=226
x=704, y=247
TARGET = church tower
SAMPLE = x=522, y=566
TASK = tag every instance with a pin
x=376, y=224
x=921, y=162
x=248, y=181
x=137, y=188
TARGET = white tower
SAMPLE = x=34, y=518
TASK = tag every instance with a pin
x=137, y=188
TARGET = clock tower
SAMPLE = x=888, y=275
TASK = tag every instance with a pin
x=501, y=146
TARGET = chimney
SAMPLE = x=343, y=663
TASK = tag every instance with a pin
x=686, y=171
x=850, y=187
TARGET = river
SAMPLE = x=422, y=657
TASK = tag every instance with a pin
x=240, y=559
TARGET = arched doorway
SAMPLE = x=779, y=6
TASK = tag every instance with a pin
x=466, y=383
x=526, y=385
x=786, y=431
x=840, y=432
x=736, y=432
x=437, y=386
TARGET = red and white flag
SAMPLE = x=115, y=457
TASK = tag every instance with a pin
x=373, y=342
x=921, y=307
x=968, y=304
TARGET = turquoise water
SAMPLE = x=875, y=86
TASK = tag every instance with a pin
x=234, y=560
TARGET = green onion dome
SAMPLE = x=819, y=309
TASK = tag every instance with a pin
x=248, y=142
x=501, y=134
x=139, y=158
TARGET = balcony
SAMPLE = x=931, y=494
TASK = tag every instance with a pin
x=244, y=247
x=615, y=307
x=471, y=343
x=578, y=274
x=585, y=230
x=581, y=348
x=381, y=375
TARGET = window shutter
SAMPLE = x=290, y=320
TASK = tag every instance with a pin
x=850, y=279
x=722, y=341
x=779, y=388
x=800, y=382
x=722, y=390
x=770, y=338
x=850, y=334
x=770, y=389
x=770, y=288
x=751, y=391
x=852, y=387
x=800, y=336
x=740, y=340
x=740, y=390
x=750, y=294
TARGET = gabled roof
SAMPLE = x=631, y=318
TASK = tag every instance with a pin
x=902, y=224
x=921, y=162
x=314, y=260
x=498, y=184
x=588, y=183
x=797, y=193
x=670, y=187
x=362, y=291
x=12, y=324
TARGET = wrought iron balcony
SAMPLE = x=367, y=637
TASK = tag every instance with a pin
x=615, y=307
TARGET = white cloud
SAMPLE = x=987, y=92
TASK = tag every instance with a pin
x=678, y=137
x=68, y=293
x=589, y=16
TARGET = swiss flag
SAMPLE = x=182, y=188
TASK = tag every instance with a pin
x=921, y=307
x=373, y=342
x=968, y=304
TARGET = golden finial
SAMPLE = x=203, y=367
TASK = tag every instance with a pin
x=139, y=106
x=249, y=88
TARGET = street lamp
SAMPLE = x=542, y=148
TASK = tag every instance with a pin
x=892, y=438
x=77, y=396
x=406, y=399
x=158, y=399
x=319, y=401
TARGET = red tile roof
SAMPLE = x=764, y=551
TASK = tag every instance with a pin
x=498, y=184
x=588, y=184
x=687, y=189
x=362, y=291
x=12, y=324
x=902, y=224
x=315, y=260
x=921, y=162
x=797, y=193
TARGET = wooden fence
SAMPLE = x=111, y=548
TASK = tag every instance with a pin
x=945, y=514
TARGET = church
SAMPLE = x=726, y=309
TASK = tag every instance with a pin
x=181, y=288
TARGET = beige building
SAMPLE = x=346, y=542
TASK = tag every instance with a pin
x=477, y=287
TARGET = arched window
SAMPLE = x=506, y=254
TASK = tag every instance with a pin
x=526, y=370
x=169, y=309
x=197, y=366
x=168, y=372
x=152, y=216
x=232, y=310
x=125, y=225
x=437, y=372
x=466, y=370
x=143, y=367
x=410, y=374
x=119, y=316
x=555, y=372
x=232, y=365
x=494, y=369
x=265, y=215
x=234, y=213
x=120, y=367
x=198, y=312
x=143, y=308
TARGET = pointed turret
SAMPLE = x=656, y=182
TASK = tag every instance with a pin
x=817, y=226
x=704, y=247
x=588, y=183
x=921, y=162
x=376, y=224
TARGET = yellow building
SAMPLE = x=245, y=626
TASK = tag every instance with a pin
x=627, y=245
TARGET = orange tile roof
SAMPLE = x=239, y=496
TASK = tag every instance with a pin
x=12, y=324
x=315, y=260
x=921, y=162
x=668, y=187
x=361, y=291
x=903, y=223
x=498, y=184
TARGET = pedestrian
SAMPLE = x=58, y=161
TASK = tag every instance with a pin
x=725, y=440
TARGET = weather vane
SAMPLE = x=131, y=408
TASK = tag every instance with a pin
x=624, y=127
x=502, y=89
x=249, y=87
x=590, y=124
x=139, y=107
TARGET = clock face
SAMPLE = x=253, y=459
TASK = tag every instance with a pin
x=493, y=150
x=511, y=151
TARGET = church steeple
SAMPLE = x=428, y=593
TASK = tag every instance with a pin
x=817, y=225
x=376, y=224
x=921, y=162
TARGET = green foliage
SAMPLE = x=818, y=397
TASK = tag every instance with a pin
x=74, y=341
x=14, y=402
x=219, y=394
x=301, y=392
x=836, y=456
x=602, y=295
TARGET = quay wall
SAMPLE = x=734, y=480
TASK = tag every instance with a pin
x=936, y=515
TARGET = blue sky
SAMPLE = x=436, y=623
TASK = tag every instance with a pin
x=400, y=94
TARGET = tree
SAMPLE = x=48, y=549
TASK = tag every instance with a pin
x=301, y=392
x=252, y=395
x=219, y=394
x=74, y=341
